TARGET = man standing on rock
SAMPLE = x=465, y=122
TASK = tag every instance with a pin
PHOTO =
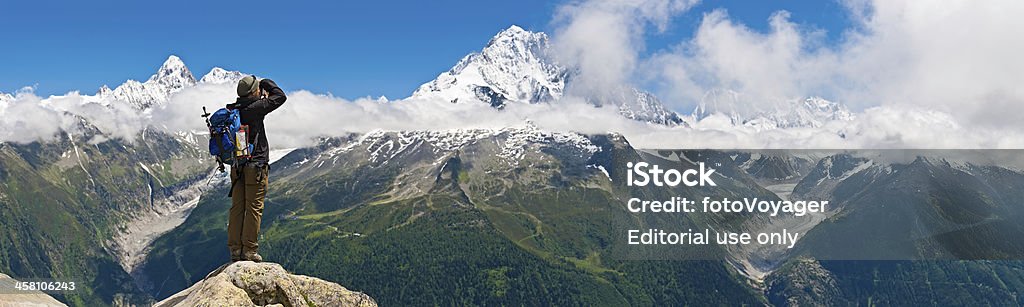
x=256, y=99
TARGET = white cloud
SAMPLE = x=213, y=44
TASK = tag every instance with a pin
x=959, y=57
x=962, y=57
x=25, y=119
x=723, y=54
x=602, y=38
x=29, y=118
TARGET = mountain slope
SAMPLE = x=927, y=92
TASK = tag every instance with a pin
x=62, y=202
x=891, y=214
x=925, y=209
x=514, y=216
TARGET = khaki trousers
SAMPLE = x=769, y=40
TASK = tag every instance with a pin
x=246, y=207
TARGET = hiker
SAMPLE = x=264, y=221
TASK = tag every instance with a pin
x=256, y=99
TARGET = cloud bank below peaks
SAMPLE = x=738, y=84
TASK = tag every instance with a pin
x=306, y=116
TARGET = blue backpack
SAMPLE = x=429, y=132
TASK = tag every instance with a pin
x=228, y=143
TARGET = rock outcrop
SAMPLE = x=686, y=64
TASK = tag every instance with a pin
x=247, y=283
x=27, y=298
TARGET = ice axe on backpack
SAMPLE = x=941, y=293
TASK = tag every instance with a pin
x=209, y=126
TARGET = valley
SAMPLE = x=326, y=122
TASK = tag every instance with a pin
x=548, y=207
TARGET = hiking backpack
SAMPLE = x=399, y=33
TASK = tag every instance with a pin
x=228, y=137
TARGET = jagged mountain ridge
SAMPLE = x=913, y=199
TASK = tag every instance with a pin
x=811, y=112
x=172, y=77
x=219, y=75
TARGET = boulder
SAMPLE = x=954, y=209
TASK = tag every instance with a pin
x=246, y=283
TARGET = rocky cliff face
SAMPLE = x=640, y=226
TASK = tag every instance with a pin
x=246, y=283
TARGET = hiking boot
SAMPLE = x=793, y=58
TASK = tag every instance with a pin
x=253, y=256
x=236, y=255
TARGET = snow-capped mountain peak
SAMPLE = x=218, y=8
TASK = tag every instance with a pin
x=173, y=72
x=513, y=30
x=171, y=77
x=516, y=36
x=512, y=67
x=515, y=67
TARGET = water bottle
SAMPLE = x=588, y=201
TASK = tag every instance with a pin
x=241, y=142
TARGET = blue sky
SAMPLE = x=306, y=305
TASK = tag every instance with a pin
x=348, y=48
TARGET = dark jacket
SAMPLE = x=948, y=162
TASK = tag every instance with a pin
x=253, y=111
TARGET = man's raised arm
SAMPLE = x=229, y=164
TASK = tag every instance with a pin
x=275, y=97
